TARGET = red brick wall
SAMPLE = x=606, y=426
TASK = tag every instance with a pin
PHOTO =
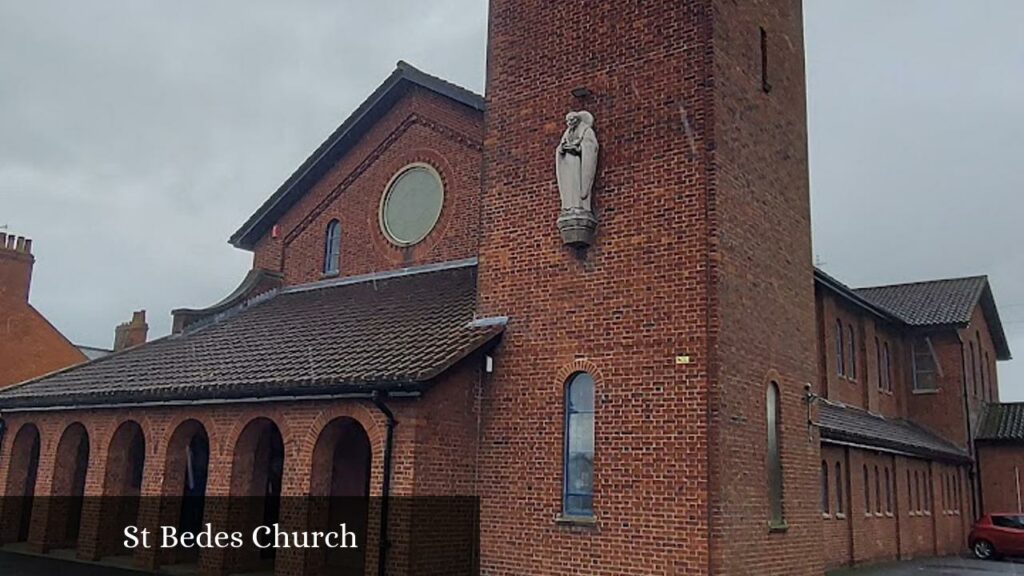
x=648, y=290
x=941, y=410
x=434, y=452
x=622, y=311
x=868, y=532
x=764, y=290
x=1000, y=467
x=422, y=127
x=837, y=528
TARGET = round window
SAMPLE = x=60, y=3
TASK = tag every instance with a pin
x=411, y=204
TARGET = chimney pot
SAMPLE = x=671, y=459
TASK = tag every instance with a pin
x=28, y=245
x=20, y=245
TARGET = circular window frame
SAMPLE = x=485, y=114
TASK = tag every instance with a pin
x=382, y=221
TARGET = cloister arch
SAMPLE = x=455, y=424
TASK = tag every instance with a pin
x=71, y=464
x=21, y=485
x=122, y=485
x=339, y=489
x=186, y=473
x=257, y=468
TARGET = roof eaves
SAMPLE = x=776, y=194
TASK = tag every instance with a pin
x=824, y=279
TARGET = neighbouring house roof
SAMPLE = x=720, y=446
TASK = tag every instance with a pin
x=947, y=302
x=92, y=352
x=1002, y=423
x=390, y=331
x=343, y=139
x=851, y=425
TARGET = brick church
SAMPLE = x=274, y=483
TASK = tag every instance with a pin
x=653, y=379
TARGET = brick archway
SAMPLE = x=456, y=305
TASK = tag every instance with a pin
x=20, y=490
x=257, y=466
x=122, y=485
x=339, y=489
x=67, y=493
x=183, y=501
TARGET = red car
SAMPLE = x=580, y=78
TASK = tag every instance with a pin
x=996, y=535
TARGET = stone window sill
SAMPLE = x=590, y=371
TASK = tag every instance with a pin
x=577, y=521
x=326, y=275
x=777, y=528
x=840, y=516
x=926, y=392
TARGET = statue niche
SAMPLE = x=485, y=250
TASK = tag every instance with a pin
x=575, y=169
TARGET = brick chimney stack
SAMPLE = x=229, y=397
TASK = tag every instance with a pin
x=16, y=262
x=131, y=334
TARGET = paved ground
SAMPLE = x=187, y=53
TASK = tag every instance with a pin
x=938, y=567
x=15, y=564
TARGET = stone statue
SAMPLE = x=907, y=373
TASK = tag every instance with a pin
x=575, y=169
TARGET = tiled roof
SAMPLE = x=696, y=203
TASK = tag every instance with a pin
x=948, y=302
x=936, y=302
x=393, y=331
x=853, y=425
x=342, y=139
x=1003, y=422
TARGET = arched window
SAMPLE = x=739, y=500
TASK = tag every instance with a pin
x=917, y=497
x=974, y=368
x=928, y=491
x=840, y=365
x=824, y=488
x=852, y=360
x=332, y=247
x=878, y=364
x=990, y=386
x=888, y=367
x=578, y=486
x=867, y=491
x=774, y=464
x=878, y=492
x=839, y=489
x=888, y=491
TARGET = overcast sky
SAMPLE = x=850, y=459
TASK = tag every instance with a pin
x=136, y=135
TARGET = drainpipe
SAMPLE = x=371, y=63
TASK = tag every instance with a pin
x=967, y=425
x=385, y=490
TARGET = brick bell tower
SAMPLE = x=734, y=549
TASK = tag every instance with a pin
x=695, y=296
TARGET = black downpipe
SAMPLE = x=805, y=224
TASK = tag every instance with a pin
x=385, y=490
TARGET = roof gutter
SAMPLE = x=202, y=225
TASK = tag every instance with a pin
x=882, y=449
x=370, y=395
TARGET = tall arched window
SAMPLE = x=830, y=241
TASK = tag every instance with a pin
x=888, y=367
x=840, y=480
x=578, y=486
x=840, y=351
x=332, y=247
x=867, y=491
x=888, y=491
x=989, y=386
x=878, y=492
x=878, y=364
x=824, y=488
x=774, y=463
x=974, y=371
x=852, y=360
